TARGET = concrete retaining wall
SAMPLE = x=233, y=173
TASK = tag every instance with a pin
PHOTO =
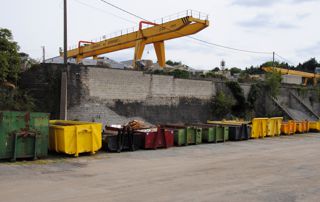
x=116, y=96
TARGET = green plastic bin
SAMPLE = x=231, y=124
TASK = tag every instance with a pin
x=23, y=135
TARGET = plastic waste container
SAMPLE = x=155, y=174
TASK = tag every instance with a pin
x=302, y=126
x=23, y=135
x=314, y=126
x=274, y=126
x=74, y=137
x=288, y=128
x=259, y=127
x=299, y=127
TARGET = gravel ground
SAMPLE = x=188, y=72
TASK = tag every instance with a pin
x=271, y=169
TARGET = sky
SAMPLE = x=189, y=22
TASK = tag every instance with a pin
x=288, y=27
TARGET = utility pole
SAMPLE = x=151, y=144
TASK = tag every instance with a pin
x=65, y=35
x=43, y=54
x=273, y=54
x=64, y=75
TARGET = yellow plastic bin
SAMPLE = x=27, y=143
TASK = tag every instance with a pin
x=314, y=126
x=288, y=128
x=302, y=126
x=274, y=126
x=259, y=127
x=307, y=126
x=74, y=137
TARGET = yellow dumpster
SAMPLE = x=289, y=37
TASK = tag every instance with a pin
x=314, y=126
x=307, y=126
x=303, y=126
x=74, y=137
x=288, y=128
x=299, y=126
x=259, y=127
x=274, y=126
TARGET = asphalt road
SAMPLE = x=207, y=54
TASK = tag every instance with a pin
x=271, y=169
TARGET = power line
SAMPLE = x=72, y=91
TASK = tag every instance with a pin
x=228, y=47
x=104, y=11
x=194, y=38
x=117, y=7
x=284, y=59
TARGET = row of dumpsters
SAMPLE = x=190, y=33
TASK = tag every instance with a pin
x=25, y=135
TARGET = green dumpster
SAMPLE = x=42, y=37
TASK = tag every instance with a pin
x=23, y=135
x=194, y=135
x=180, y=137
x=209, y=134
x=222, y=133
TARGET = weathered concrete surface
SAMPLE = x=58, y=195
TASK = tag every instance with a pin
x=272, y=169
x=114, y=96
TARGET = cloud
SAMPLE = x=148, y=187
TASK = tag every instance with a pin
x=267, y=3
x=254, y=3
x=303, y=1
x=312, y=51
x=265, y=21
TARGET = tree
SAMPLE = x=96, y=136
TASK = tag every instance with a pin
x=235, y=70
x=9, y=57
x=216, y=69
x=309, y=65
x=177, y=73
x=276, y=64
x=173, y=63
x=273, y=83
x=253, y=70
x=222, y=105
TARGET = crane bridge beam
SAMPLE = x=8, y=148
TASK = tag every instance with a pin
x=157, y=34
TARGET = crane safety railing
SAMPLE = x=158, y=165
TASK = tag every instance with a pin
x=186, y=13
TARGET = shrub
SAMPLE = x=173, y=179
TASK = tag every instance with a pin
x=222, y=105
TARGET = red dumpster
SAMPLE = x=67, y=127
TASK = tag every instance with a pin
x=156, y=138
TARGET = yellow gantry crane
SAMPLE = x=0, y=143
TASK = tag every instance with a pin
x=156, y=35
x=305, y=75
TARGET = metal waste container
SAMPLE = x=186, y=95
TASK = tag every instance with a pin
x=209, y=134
x=239, y=132
x=154, y=138
x=120, y=139
x=74, y=137
x=23, y=135
x=185, y=135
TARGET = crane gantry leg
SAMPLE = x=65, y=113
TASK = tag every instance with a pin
x=160, y=51
x=159, y=48
x=138, y=51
